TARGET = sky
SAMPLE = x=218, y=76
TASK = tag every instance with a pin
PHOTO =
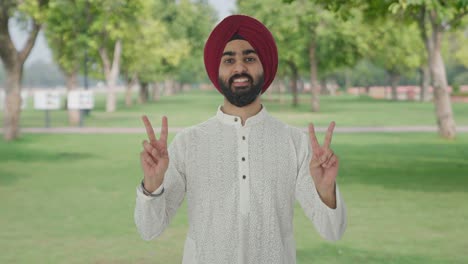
x=42, y=52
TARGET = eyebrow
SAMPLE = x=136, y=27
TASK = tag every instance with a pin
x=244, y=52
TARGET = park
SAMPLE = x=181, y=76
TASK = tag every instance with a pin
x=68, y=177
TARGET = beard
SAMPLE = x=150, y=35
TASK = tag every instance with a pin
x=242, y=96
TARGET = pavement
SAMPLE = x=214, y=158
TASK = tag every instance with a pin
x=141, y=130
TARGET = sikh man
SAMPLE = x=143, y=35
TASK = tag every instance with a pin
x=242, y=170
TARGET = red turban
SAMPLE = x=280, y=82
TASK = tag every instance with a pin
x=252, y=31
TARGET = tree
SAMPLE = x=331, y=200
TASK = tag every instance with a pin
x=110, y=24
x=281, y=20
x=434, y=18
x=66, y=32
x=308, y=36
x=32, y=13
x=188, y=23
x=395, y=47
x=193, y=22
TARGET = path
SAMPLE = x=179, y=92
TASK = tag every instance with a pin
x=141, y=130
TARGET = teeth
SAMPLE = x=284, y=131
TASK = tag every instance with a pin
x=241, y=80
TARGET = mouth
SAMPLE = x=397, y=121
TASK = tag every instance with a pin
x=240, y=82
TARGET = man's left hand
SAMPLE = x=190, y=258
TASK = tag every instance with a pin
x=324, y=166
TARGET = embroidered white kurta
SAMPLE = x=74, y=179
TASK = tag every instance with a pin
x=241, y=183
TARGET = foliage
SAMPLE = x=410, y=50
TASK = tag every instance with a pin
x=189, y=23
x=339, y=43
x=67, y=32
x=396, y=47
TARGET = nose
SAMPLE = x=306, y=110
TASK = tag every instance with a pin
x=239, y=67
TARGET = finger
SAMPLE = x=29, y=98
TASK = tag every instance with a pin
x=313, y=138
x=164, y=130
x=325, y=157
x=328, y=136
x=149, y=129
x=314, y=163
x=150, y=149
x=331, y=162
x=146, y=159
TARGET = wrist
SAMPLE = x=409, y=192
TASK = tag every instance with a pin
x=150, y=192
x=328, y=196
x=151, y=185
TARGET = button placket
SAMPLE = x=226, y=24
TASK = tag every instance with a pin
x=244, y=169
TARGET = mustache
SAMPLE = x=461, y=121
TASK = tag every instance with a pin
x=231, y=80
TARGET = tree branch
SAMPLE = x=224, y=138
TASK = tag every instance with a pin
x=23, y=54
x=105, y=61
x=7, y=47
x=117, y=53
x=458, y=17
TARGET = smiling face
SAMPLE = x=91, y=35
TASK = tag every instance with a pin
x=240, y=73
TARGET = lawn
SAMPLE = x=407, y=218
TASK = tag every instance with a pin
x=70, y=199
x=193, y=107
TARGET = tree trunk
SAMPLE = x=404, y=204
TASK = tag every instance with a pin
x=425, y=82
x=144, y=92
x=443, y=105
x=315, y=88
x=13, y=61
x=394, y=80
x=293, y=82
x=367, y=89
x=129, y=90
x=282, y=89
x=112, y=73
x=347, y=79
x=323, y=87
x=72, y=84
x=12, y=110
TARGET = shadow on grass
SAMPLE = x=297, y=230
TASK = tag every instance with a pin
x=27, y=155
x=339, y=254
x=18, y=154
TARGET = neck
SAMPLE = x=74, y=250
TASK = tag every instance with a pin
x=243, y=112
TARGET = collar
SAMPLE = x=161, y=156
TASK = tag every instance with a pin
x=236, y=120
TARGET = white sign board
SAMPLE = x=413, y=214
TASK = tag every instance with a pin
x=46, y=100
x=24, y=98
x=81, y=99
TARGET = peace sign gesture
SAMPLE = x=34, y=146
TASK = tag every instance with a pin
x=324, y=165
x=154, y=157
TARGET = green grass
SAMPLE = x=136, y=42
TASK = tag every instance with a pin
x=70, y=199
x=193, y=107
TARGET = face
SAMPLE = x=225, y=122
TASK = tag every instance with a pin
x=240, y=73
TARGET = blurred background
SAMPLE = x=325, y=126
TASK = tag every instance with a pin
x=77, y=75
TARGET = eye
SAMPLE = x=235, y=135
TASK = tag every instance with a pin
x=250, y=59
x=229, y=61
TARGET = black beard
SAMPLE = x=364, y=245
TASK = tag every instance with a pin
x=242, y=97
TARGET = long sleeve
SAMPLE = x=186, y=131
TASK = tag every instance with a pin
x=153, y=214
x=330, y=223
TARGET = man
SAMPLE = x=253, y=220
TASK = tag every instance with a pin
x=242, y=170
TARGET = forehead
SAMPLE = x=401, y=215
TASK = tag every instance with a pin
x=238, y=45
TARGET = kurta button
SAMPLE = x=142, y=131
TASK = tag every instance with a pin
x=235, y=119
x=243, y=159
x=243, y=177
x=243, y=138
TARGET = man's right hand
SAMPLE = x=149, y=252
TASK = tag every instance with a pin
x=154, y=157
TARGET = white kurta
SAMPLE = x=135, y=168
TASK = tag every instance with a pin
x=241, y=183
